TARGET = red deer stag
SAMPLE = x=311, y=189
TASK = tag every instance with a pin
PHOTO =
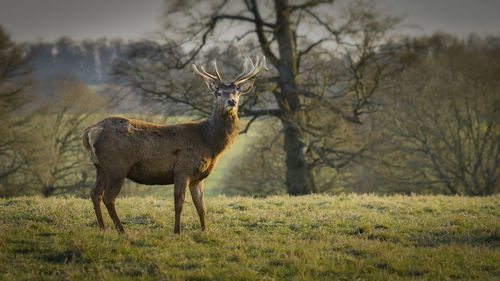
x=182, y=154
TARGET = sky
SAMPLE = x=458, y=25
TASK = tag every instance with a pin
x=48, y=20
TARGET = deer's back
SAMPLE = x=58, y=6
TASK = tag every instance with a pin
x=150, y=153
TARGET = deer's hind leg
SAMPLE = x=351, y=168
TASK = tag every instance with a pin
x=110, y=193
x=96, y=196
x=180, y=186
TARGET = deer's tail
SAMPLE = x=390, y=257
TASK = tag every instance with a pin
x=90, y=138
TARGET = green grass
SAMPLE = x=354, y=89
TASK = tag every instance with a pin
x=316, y=237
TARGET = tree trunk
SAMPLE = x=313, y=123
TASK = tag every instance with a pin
x=299, y=178
x=48, y=191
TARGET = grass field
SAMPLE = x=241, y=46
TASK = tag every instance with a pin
x=315, y=237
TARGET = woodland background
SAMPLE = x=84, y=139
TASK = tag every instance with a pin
x=354, y=108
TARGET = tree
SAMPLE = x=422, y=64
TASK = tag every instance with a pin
x=59, y=164
x=443, y=133
x=311, y=78
x=14, y=81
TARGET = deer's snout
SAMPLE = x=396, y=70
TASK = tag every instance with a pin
x=231, y=102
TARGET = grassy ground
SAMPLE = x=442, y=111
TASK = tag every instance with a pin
x=279, y=238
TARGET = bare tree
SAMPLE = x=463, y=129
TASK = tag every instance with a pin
x=57, y=164
x=443, y=128
x=319, y=66
x=14, y=82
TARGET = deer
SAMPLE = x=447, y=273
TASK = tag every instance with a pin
x=157, y=154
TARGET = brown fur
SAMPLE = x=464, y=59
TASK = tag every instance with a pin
x=148, y=153
x=183, y=154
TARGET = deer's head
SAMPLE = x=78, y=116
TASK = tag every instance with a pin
x=228, y=95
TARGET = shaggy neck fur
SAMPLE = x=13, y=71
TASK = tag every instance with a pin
x=220, y=129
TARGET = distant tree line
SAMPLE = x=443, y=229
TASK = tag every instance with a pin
x=88, y=61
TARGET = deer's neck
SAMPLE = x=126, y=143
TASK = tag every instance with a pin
x=220, y=130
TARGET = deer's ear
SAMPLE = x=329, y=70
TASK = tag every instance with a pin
x=246, y=87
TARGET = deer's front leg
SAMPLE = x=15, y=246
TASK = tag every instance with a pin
x=197, y=195
x=180, y=185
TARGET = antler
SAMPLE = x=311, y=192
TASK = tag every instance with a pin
x=260, y=64
x=207, y=76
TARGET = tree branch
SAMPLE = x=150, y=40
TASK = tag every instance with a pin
x=242, y=18
x=264, y=43
x=310, y=4
x=244, y=131
x=310, y=47
x=325, y=25
x=261, y=112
